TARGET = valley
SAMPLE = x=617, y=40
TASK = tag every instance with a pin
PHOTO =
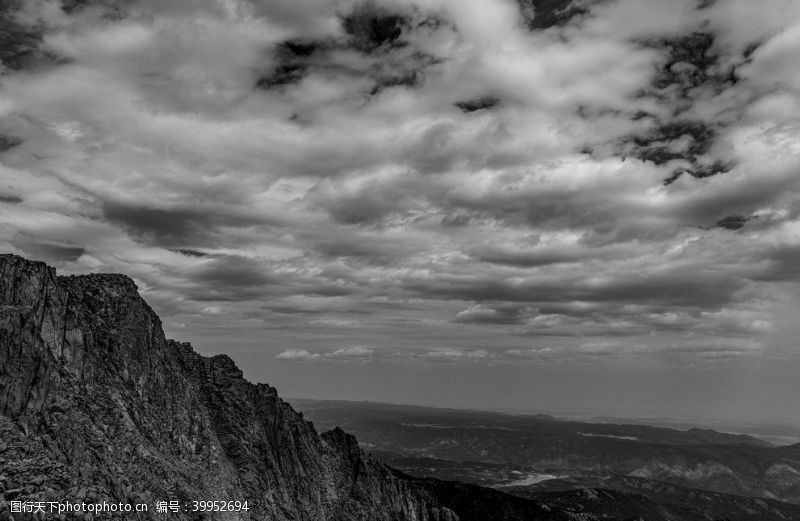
x=546, y=458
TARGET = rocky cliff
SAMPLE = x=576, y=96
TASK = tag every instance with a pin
x=97, y=405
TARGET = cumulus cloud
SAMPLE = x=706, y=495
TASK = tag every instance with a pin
x=297, y=354
x=456, y=355
x=347, y=354
x=499, y=180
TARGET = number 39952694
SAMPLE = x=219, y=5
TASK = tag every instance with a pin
x=220, y=506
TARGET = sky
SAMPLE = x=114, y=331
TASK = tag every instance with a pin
x=530, y=204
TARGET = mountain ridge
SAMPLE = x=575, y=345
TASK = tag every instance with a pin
x=98, y=405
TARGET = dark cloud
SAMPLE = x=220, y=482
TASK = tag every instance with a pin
x=292, y=61
x=372, y=27
x=50, y=252
x=174, y=227
x=377, y=33
x=733, y=222
x=692, y=73
x=230, y=271
x=10, y=199
x=690, y=62
x=700, y=171
x=703, y=4
x=686, y=287
x=679, y=140
x=482, y=103
x=662, y=143
x=543, y=14
x=283, y=74
x=19, y=42
x=299, y=48
x=542, y=256
x=190, y=253
x=8, y=142
x=112, y=9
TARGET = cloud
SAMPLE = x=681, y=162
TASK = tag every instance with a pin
x=353, y=352
x=50, y=251
x=532, y=353
x=482, y=314
x=455, y=355
x=402, y=175
x=344, y=354
x=298, y=354
x=168, y=227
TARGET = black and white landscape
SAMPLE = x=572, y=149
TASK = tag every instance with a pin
x=565, y=233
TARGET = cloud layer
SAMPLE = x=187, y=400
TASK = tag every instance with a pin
x=442, y=181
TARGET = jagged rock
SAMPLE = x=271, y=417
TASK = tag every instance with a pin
x=97, y=405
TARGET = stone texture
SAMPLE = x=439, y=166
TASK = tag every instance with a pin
x=98, y=405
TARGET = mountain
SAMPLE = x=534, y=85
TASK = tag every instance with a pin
x=491, y=448
x=97, y=405
x=614, y=495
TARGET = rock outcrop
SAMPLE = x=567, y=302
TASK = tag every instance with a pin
x=97, y=405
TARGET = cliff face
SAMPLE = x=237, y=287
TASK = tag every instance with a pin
x=95, y=404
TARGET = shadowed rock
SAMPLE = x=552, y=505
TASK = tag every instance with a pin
x=97, y=405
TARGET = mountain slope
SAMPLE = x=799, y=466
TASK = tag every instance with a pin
x=97, y=405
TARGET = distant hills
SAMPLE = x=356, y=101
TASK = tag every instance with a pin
x=731, y=475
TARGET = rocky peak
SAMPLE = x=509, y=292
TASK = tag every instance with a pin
x=95, y=404
x=22, y=281
x=102, y=285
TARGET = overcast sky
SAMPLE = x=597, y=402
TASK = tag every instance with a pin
x=455, y=202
